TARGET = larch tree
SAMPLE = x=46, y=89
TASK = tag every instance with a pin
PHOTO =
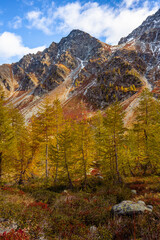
x=83, y=148
x=114, y=125
x=58, y=125
x=66, y=156
x=146, y=128
x=35, y=136
x=100, y=134
x=21, y=154
x=6, y=134
x=45, y=120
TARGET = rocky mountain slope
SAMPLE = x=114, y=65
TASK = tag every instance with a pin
x=145, y=41
x=81, y=70
x=152, y=22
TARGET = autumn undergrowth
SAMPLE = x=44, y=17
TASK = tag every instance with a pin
x=38, y=211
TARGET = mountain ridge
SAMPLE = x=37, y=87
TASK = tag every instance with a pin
x=151, y=22
x=82, y=69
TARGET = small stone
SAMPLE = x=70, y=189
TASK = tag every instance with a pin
x=2, y=220
x=100, y=177
x=65, y=192
x=150, y=206
x=93, y=229
x=133, y=191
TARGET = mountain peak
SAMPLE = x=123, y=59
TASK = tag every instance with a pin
x=77, y=32
x=80, y=44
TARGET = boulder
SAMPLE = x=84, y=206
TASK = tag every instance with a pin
x=130, y=208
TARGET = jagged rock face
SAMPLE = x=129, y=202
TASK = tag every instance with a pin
x=37, y=70
x=80, y=45
x=117, y=82
x=35, y=75
x=110, y=80
x=105, y=80
x=147, y=44
x=5, y=77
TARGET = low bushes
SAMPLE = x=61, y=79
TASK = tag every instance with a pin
x=71, y=215
x=15, y=235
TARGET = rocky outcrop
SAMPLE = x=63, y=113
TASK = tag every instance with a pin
x=116, y=80
x=81, y=45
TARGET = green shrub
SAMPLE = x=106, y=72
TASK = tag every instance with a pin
x=104, y=233
x=44, y=195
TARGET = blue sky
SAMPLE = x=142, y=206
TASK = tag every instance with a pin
x=27, y=26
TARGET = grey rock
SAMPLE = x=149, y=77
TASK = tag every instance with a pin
x=93, y=229
x=133, y=191
x=141, y=202
x=65, y=192
x=150, y=206
x=130, y=208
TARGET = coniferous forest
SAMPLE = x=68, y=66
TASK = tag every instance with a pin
x=60, y=177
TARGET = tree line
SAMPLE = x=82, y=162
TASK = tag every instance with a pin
x=64, y=150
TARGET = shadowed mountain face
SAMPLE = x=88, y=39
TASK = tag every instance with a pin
x=80, y=68
x=50, y=67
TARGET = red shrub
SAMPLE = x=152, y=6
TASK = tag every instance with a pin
x=14, y=235
x=39, y=204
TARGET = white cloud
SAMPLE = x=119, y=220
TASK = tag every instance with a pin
x=16, y=23
x=130, y=3
x=38, y=20
x=125, y=22
x=11, y=46
x=101, y=21
x=90, y=17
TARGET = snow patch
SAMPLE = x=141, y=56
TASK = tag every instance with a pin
x=89, y=86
